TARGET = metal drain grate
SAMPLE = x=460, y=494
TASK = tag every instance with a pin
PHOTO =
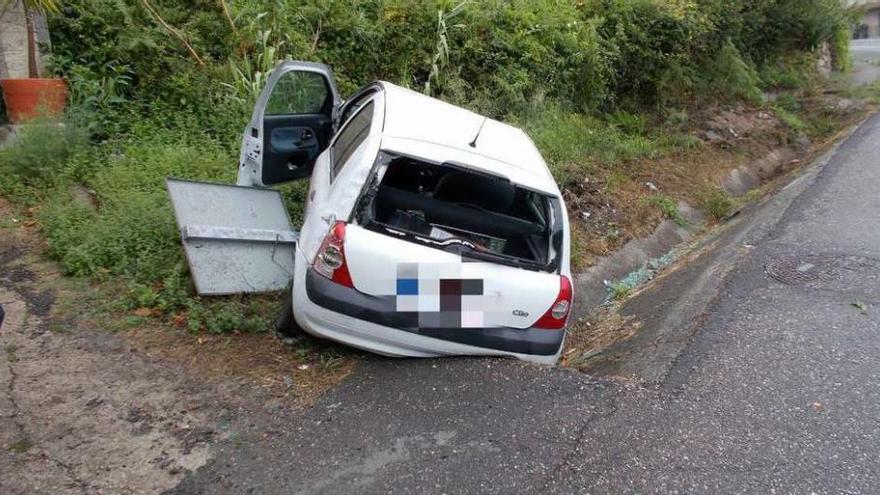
x=817, y=268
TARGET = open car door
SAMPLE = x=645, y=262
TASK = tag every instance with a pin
x=291, y=125
x=238, y=238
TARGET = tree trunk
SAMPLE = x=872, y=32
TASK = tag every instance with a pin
x=33, y=71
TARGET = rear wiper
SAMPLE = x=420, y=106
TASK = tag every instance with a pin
x=466, y=250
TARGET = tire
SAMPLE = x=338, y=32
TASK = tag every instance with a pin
x=286, y=326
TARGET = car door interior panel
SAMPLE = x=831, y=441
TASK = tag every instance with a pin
x=292, y=143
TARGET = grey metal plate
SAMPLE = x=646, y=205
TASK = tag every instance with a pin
x=237, y=239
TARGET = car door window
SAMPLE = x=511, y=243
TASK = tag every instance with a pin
x=354, y=132
x=299, y=93
x=357, y=101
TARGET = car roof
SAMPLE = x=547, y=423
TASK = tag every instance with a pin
x=426, y=127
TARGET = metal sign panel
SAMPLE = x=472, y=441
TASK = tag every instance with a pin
x=237, y=239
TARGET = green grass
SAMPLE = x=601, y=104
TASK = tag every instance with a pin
x=131, y=237
x=573, y=142
x=668, y=206
x=790, y=119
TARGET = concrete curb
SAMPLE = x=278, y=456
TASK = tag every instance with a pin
x=591, y=285
x=672, y=308
x=637, y=255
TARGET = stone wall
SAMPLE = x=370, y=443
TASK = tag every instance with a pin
x=13, y=40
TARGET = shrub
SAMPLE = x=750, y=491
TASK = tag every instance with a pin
x=133, y=232
x=717, y=203
x=733, y=77
x=580, y=77
x=38, y=155
x=840, y=53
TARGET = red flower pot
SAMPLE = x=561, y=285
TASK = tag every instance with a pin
x=29, y=98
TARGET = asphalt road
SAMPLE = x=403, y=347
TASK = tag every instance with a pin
x=741, y=382
x=775, y=386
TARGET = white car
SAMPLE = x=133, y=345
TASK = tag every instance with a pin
x=428, y=230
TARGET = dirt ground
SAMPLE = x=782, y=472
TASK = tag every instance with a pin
x=85, y=410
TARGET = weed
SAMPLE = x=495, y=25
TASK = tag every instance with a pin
x=568, y=138
x=717, y=203
x=840, y=52
x=787, y=102
x=620, y=290
x=578, y=247
x=862, y=307
x=677, y=119
x=680, y=142
x=628, y=123
x=615, y=179
x=20, y=446
x=791, y=120
x=38, y=155
x=10, y=352
x=794, y=71
x=668, y=206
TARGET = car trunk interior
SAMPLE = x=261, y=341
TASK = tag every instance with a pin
x=453, y=208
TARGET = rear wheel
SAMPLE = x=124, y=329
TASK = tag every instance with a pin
x=286, y=327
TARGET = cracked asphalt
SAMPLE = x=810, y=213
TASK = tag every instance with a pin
x=740, y=384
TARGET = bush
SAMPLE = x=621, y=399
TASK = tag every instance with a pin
x=793, y=71
x=580, y=77
x=717, y=203
x=39, y=154
x=732, y=77
x=133, y=232
x=840, y=54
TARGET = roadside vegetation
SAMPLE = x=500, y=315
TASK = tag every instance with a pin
x=612, y=91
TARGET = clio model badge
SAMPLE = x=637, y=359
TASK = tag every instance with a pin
x=520, y=313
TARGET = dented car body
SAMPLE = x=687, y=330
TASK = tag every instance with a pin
x=428, y=230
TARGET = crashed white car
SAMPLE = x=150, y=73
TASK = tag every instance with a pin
x=428, y=230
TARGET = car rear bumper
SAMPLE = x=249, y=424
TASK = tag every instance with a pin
x=368, y=322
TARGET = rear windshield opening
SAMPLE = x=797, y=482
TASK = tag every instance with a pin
x=451, y=208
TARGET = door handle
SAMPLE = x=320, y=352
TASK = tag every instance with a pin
x=307, y=135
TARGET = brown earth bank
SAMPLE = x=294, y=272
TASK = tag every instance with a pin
x=757, y=144
x=608, y=206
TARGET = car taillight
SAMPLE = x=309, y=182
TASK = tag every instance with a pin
x=330, y=261
x=556, y=317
